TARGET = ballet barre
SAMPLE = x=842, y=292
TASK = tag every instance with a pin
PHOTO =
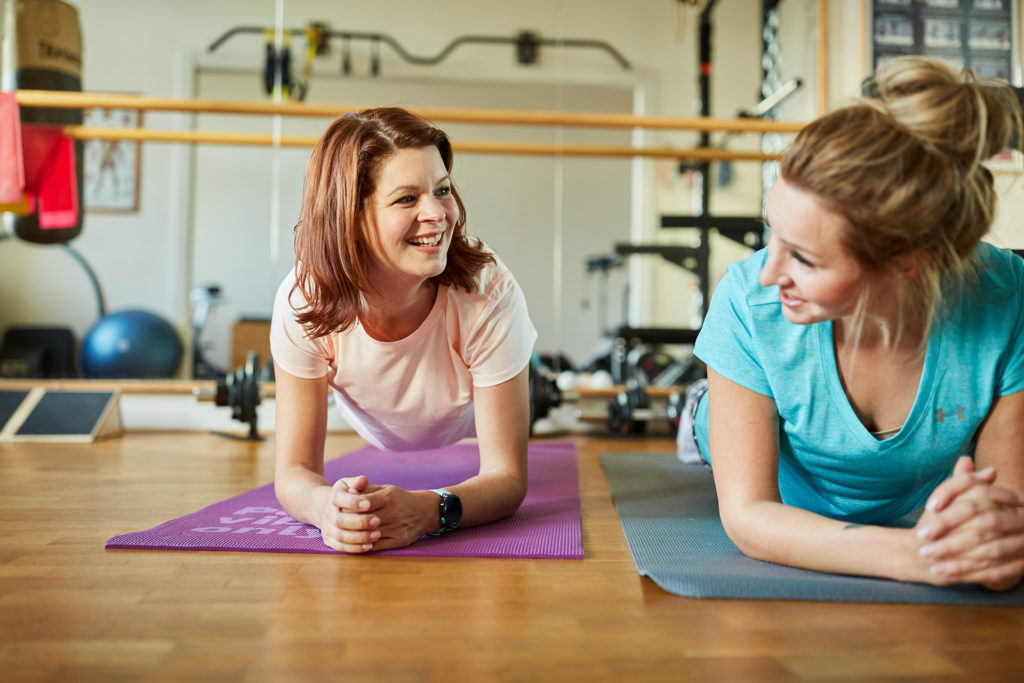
x=466, y=147
x=77, y=100
x=51, y=99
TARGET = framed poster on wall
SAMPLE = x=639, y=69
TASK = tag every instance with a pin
x=978, y=34
x=111, y=166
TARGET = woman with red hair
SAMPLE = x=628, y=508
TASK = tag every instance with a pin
x=419, y=331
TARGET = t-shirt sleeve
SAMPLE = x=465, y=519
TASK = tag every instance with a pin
x=499, y=340
x=291, y=348
x=727, y=339
x=1011, y=377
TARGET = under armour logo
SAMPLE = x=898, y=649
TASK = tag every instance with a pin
x=941, y=415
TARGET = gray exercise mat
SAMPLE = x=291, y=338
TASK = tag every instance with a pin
x=669, y=514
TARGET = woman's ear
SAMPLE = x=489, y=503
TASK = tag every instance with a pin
x=909, y=265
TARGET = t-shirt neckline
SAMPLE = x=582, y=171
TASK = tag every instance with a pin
x=427, y=324
x=925, y=387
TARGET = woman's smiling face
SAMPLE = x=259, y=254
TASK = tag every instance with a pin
x=817, y=278
x=412, y=212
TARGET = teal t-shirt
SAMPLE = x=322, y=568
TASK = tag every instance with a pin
x=829, y=462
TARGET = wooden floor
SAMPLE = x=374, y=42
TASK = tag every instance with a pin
x=70, y=610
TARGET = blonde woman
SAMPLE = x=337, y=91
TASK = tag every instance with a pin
x=868, y=365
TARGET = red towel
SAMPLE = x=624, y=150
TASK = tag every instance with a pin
x=58, y=193
x=12, y=173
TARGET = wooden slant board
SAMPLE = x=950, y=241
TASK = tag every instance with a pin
x=59, y=416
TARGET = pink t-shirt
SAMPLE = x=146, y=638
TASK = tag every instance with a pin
x=417, y=392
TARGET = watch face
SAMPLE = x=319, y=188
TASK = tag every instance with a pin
x=451, y=510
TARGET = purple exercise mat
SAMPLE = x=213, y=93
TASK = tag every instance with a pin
x=547, y=525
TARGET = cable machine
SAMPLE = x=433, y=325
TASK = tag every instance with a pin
x=745, y=230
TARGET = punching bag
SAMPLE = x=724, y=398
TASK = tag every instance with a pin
x=41, y=49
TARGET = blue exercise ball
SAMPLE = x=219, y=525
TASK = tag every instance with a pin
x=131, y=344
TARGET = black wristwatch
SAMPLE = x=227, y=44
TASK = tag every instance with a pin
x=451, y=511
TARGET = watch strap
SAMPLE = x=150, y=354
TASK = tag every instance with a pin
x=444, y=526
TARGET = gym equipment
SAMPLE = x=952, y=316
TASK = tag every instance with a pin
x=632, y=409
x=244, y=389
x=629, y=411
x=669, y=514
x=9, y=402
x=648, y=390
x=500, y=117
x=546, y=525
x=745, y=230
x=277, y=73
x=646, y=364
x=627, y=340
x=40, y=48
x=544, y=393
x=37, y=352
x=59, y=416
x=774, y=95
x=602, y=264
x=527, y=44
x=461, y=147
x=130, y=344
x=241, y=391
x=204, y=299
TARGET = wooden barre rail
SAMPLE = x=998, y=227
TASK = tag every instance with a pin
x=51, y=99
x=125, y=386
x=516, y=148
x=267, y=389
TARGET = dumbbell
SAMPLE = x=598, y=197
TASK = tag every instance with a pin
x=241, y=391
x=630, y=411
x=544, y=395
